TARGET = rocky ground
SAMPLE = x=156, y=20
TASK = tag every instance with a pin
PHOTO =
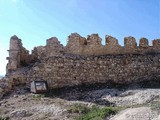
x=135, y=103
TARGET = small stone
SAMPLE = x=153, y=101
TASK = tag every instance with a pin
x=20, y=113
x=15, y=96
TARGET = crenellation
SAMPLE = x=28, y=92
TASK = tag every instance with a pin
x=94, y=40
x=84, y=60
x=112, y=46
x=156, y=43
x=81, y=46
x=130, y=45
x=111, y=41
x=54, y=48
x=144, y=47
x=75, y=44
x=143, y=42
x=94, y=46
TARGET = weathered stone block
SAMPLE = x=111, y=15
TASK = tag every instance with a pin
x=15, y=43
x=130, y=45
x=130, y=42
x=54, y=48
x=94, y=39
x=143, y=43
x=112, y=46
x=156, y=43
x=111, y=41
x=75, y=44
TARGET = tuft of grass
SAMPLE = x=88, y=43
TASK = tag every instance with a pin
x=93, y=113
x=78, y=108
x=38, y=97
x=96, y=113
x=155, y=106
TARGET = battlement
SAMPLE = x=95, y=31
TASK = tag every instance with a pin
x=53, y=47
x=92, y=45
x=85, y=61
x=78, y=45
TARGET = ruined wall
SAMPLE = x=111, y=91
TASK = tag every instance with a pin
x=85, y=61
x=14, y=58
x=112, y=46
x=76, y=44
x=84, y=46
x=18, y=55
x=53, y=47
x=75, y=70
x=92, y=45
x=38, y=53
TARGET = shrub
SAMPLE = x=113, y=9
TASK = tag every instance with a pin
x=155, y=106
x=78, y=108
x=96, y=113
x=38, y=97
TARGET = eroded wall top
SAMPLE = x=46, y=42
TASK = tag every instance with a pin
x=78, y=45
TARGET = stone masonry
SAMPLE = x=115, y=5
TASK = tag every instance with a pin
x=18, y=55
x=85, y=61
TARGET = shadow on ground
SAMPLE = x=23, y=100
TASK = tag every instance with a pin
x=90, y=93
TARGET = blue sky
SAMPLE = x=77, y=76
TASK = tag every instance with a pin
x=34, y=21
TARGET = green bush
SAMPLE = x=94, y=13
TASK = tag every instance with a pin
x=38, y=96
x=96, y=113
x=155, y=106
x=78, y=108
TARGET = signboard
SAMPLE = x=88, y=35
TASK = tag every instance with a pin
x=39, y=86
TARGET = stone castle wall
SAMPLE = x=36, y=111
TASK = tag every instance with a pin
x=85, y=61
x=76, y=70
